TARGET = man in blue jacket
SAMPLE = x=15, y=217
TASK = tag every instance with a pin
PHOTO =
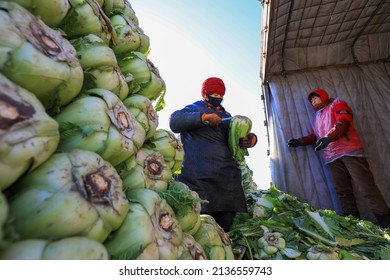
x=209, y=168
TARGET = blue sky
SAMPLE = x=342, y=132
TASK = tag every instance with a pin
x=193, y=40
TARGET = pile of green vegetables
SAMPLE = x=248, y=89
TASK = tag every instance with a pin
x=86, y=173
x=279, y=226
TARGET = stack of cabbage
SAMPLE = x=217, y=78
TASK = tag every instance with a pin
x=85, y=171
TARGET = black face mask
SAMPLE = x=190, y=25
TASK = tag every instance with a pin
x=215, y=101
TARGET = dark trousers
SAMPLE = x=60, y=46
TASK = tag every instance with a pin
x=223, y=218
x=347, y=169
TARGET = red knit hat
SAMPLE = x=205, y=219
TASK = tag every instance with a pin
x=213, y=85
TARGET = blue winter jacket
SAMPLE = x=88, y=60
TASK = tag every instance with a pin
x=208, y=168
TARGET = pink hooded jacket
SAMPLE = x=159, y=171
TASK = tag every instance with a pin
x=324, y=123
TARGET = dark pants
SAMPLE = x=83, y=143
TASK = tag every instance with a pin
x=223, y=218
x=347, y=169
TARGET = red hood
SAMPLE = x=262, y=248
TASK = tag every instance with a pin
x=322, y=93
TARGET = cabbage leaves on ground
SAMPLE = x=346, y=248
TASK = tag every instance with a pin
x=308, y=233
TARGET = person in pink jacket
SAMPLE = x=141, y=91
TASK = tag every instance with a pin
x=335, y=135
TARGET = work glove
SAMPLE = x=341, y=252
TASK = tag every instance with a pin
x=293, y=143
x=248, y=141
x=322, y=143
x=211, y=119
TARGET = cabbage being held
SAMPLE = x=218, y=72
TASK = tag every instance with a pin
x=240, y=126
x=71, y=194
